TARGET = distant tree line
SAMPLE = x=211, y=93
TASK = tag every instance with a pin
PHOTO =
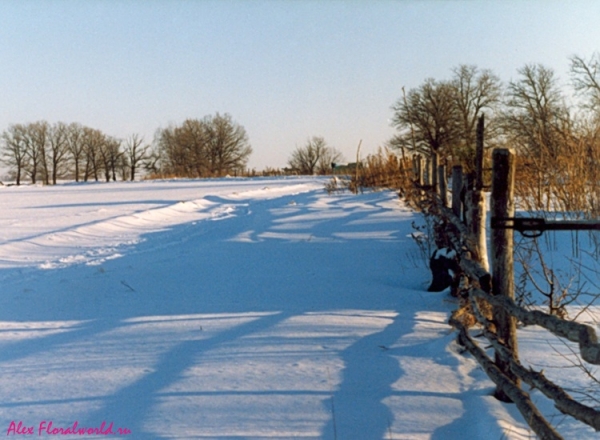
x=43, y=152
x=555, y=134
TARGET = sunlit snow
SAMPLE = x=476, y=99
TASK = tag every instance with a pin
x=233, y=308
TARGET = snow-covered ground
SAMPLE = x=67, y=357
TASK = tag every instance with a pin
x=230, y=309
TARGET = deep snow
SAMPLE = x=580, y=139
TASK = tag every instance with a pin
x=228, y=309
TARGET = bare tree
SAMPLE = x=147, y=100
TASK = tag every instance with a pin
x=476, y=90
x=76, y=147
x=585, y=76
x=428, y=120
x=538, y=124
x=14, y=149
x=314, y=157
x=213, y=146
x=228, y=146
x=124, y=167
x=93, y=141
x=57, y=149
x=439, y=118
x=535, y=112
x=182, y=149
x=135, y=153
x=329, y=156
x=110, y=152
x=152, y=163
x=36, y=142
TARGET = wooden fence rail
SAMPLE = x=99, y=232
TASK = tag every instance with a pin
x=581, y=334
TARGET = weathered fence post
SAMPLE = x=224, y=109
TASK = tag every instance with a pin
x=478, y=200
x=443, y=184
x=457, y=186
x=502, y=206
x=475, y=203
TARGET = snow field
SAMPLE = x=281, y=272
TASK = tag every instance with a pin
x=229, y=309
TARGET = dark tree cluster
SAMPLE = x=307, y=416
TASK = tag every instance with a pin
x=438, y=118
x=214, y=146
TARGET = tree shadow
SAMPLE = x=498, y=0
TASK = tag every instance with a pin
x=131, y=405
x=357, y=407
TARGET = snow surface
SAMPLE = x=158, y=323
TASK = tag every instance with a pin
x=230, y=309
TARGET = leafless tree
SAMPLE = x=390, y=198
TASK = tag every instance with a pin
x=212, y=146
x=76, y=147
x=110, y=152
x=93, y=141
x=535, y=111
x=314, y=157
x=475, y=91
x=227, y=144
x=14, y=149
x=439, y=118
x=538, y=124
x=37, y=140
x=135, y=153
x=329, y=156
x=585, y=76
x=182, y=149
x=428, y=120
x=151, y=163
x=123, y=167
x=57, y=149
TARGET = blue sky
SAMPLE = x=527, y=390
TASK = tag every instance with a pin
x=285, y=70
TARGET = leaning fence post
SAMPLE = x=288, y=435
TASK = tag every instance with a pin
x=502, y=206
x=457, y=185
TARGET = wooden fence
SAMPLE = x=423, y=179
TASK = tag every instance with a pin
x=490, y=296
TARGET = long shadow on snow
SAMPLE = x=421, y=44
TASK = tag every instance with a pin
x=352, y=414
x=130, y=406
x=85, y=330
x=475, y=421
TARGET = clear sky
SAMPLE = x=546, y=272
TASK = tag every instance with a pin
x=285, y=70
